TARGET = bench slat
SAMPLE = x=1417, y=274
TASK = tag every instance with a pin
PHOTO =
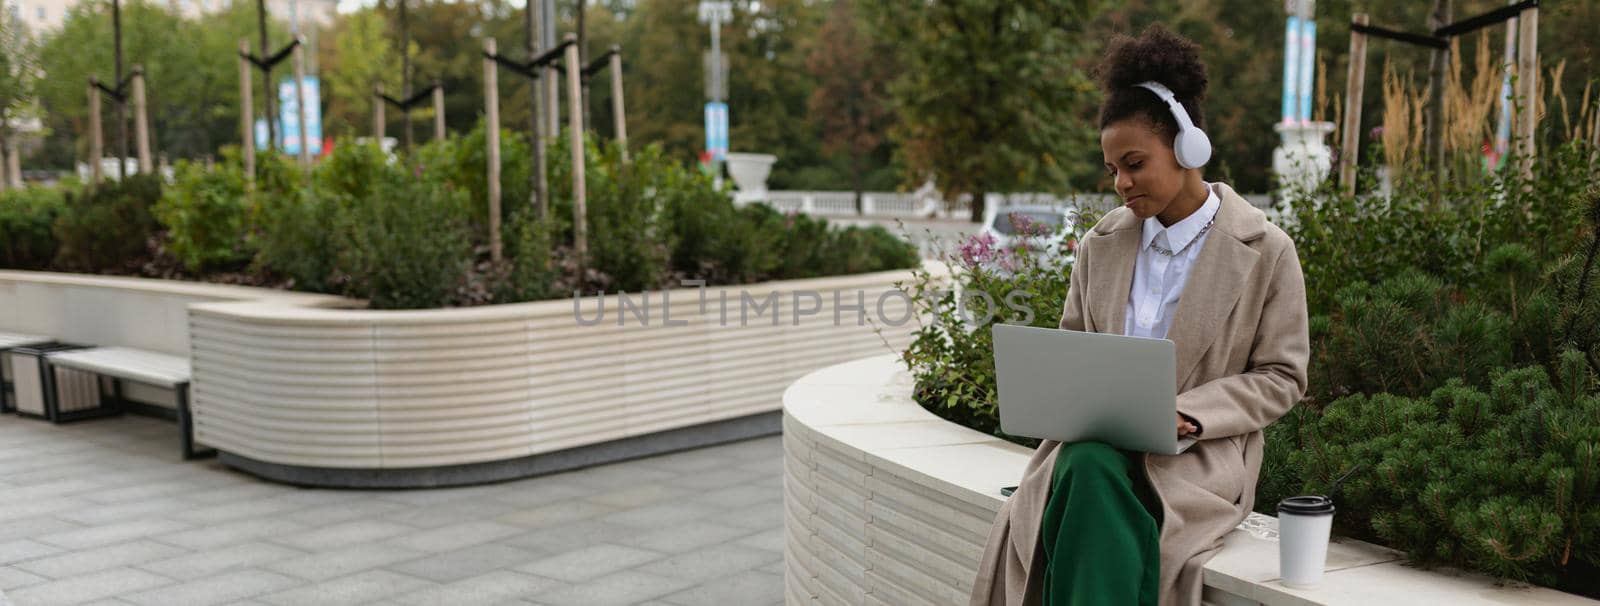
x=11, y=339
x=127, y=363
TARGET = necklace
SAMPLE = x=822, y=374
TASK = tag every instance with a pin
x=1162, y=250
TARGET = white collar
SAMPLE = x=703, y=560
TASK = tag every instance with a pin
x=1183, y=232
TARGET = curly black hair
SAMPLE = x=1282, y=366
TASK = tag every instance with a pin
x=1159, y=55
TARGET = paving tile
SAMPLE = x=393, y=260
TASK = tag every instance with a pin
x=685, y=537
x=195, y=565
x=540, y=491
x=222, y=589
x=591, y=562
x=770, y=540
x=463, y=563
x=445, y=514
x=24, y=550
x=720, y=478
x=27, y=528
x=499, y=587
x=456, y=536
x=95, y=536
x=638, y=496
x=661, y=515
x=16, y=510
x=102, y=514
x=571, y=537
x=343, y=535
x=324, y=515
x=350, y=560
x=76, y=590
x=235, y=510
x=712, y=562
x=748, y=587
x=758, y=516
x=626, y=587
x=12, y=578
x=555, y=514
x=78, y=563
x=231, y=533
x=734, y=497
x=369, y=586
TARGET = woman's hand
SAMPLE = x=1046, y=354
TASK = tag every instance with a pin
x=1185, y=427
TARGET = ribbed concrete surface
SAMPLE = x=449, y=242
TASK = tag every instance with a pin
x=363, y=389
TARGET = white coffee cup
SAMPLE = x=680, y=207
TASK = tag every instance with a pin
x=1304, y=525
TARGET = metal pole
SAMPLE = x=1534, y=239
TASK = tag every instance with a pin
x=122, y=119
x=1354, y=90
x=246, y=114
x=300, y=104
x=96, y=138
x=268, y=93
x=580, y=228
x=491, y=107
x=616, y=101
x=141, y=121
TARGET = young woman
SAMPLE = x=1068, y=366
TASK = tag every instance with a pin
x=1185, y=260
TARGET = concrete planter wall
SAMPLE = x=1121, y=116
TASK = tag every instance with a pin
x=887, y=504
x=291, y=388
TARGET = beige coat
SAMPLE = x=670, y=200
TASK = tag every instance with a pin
x=1242, y=348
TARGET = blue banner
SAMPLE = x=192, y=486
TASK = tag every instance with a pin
x=717, y=130
x=289, y=116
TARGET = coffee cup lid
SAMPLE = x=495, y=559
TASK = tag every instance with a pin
x=1306, y=505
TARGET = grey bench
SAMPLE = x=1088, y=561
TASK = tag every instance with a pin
x=126, y=364
x=11, y=340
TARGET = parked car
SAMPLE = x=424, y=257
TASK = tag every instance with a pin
x=1049, y=227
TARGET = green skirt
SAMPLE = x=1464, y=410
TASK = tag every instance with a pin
x=1101, y=531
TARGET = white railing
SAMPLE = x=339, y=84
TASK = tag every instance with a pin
x=929, y=205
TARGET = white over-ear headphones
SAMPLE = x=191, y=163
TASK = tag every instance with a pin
x=1191, y=145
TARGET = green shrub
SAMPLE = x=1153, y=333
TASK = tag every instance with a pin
x=403, y=244
x=462, y=162
x=951, y=358
x=206, y=213
x=108, y=226
x=1504, y=480
x=27, y=226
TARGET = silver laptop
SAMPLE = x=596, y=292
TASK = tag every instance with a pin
x=1074, y=386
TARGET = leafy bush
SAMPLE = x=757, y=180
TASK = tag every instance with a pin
x=27, y=226
x=952, y=357
x=206, y=213
x=403, y=244
x=463, y=163
x=108, y=226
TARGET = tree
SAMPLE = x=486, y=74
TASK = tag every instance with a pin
x=190, y=69
x=18, y=72
x=362, y=55
x=850, y=102
x=991, y=92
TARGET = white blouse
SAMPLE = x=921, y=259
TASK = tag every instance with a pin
x=1158, y=279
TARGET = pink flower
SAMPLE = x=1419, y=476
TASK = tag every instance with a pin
x=978, y=249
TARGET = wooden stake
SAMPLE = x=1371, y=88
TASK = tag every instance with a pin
x=491, y=107
x=1528, y=85
x=580, y=228
x=1355, y=88
x=377, y=113
x=616, y=101
x=438, y=111
x=96, y=140
x=1438, y=65
x=247, y=129
x=300, y=104
x=141, y=122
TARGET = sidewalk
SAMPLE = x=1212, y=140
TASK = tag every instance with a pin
x=103, y=512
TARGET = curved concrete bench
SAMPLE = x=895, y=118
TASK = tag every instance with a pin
x=295, y=388
x=886, y=503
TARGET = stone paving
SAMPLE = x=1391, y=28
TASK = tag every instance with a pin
x=105, y=512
